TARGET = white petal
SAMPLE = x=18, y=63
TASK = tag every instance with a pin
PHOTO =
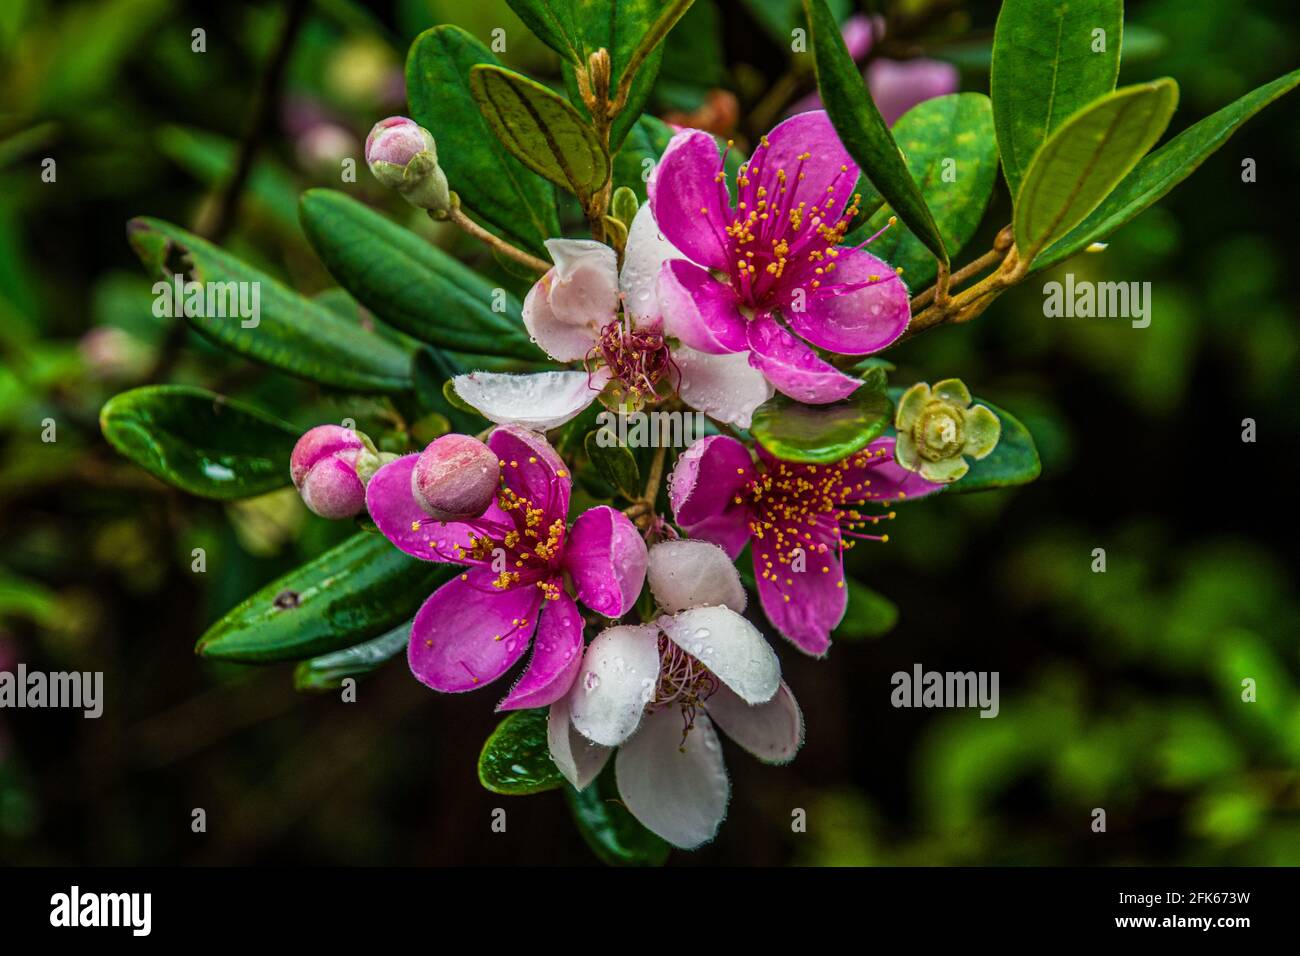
x=580, y=760
x=728, y=645
x=618, y=677
x=565, y=310
x=646, y=251
x=772, y=731
x=677, y=790
x=725, y=387
x=539, y=401
x=693, y=573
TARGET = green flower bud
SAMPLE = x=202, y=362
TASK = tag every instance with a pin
x=403, y=156
x=938, y=428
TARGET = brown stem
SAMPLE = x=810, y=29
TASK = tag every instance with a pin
x=496, y=242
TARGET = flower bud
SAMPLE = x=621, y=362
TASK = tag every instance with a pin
x=938, y=426
x=456, y=478
x=403, y=156
x=323, y=468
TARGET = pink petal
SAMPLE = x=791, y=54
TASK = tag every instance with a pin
x=565, y=310
x=706, y=480
x=606, y=556
x=898, y=85
x=771, y=731
x=700, y=310
x=828, y=162
x=468, y=633
x=677, y=789
x=403, y=522
x=804, y=606
x=318, y=443
x=860, y=307
x=688, y=203
x=557, y=655
x=729, y=646
x=725, y=387
x=793, y=367
x=536, y=400
x=890, y=481
x=531, y=469
x=579, y=759
x=332, y=488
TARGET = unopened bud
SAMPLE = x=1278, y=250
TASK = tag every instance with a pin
x=456, y=478
x=323, y=468
x=403, y=156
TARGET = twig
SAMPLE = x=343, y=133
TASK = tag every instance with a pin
x=496, y=242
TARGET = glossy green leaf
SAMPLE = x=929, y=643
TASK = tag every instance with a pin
x=541, y=130
x=411, y=284
x=614, y=462
x=820, y=434
x=327, y=672
x=869, y=614
x=516, y=759
x=610, y=830
x=862, y=130
x=358, y=590
x=1087, y=156
x=551, y=22
x=1046, y=67
x=199, y=441
x=291, y=332
x=494, y=186
x=952, y=154
x=1163, y=169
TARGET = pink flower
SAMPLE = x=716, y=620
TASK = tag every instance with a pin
x=573, y=313
x=479, y=624
x=767, y=278
x=403, y=156
x=323, y=467
x=895, y=85
x=655, y=691
x=795, y=518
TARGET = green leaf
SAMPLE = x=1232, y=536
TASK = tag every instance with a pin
x=615, y=463
x=516, y=759
x=516, y=203
x=291, y=333
x=1013, y=462
x=1165, y=168
x=821, y=434
x=1044, y=70
x=541, y=130
x=551, y=22
x=1087, y=156
x=409, y=283
x=199, y=441
x=863, y=131
x=954, y=133
x=610, y=830
x=327, y=672
x=360, y=589
x=869, y=614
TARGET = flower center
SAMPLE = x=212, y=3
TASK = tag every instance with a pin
x=683, y=682
x=938, y=432
x=638, y=358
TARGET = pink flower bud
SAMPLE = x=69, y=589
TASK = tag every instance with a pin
x=456, y=478
x=403, y=156
x=323, y=468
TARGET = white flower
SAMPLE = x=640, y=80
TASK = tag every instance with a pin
x=656, y=692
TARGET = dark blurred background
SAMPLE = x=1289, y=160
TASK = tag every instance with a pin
x=1119, y=690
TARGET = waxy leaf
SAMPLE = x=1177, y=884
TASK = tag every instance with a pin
x=541, y=130
x=615, y=463
x=289, y=332
x=1163, y=169
x=357, y=590
x=327, y=672
x=610, y=830
x=869, y=614
x=494, y=186
x=1049, y=61
x=516, y=760
x=1087, y=156
x=820, y=434
x=862, y=130
x=949, y=146
x=409, y=283
x=551, y=22
x=1013, y=462
x=199, y=441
